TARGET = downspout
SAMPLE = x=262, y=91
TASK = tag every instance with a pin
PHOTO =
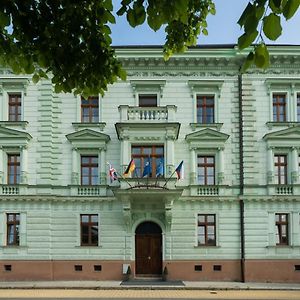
x=241, y=171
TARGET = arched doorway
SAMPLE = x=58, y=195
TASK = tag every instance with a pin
x=148, y=249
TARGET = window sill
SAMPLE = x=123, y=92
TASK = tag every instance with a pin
x=270, y=125
x=79, y=125
x=283, y=246
x=21, y=124
x=217, y=126
x=13, y=247
x=88, y=247
x=207, y=246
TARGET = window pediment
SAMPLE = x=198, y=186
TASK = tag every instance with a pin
x=147, y=131
x=13, y=138
x=284, y=138
x=88, y=138
x=207, y=138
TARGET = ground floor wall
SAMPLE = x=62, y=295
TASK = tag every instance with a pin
x=50, y=246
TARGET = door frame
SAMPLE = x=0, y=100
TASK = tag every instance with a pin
x=134, y=227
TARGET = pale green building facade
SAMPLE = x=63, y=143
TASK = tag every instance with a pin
x=234, y=215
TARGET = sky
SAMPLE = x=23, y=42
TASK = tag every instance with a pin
x=222, y=28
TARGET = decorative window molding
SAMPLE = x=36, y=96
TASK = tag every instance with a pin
x=147, y=87
x=206, y=87
x=284, y=142
x=8, y=86
x=288, y=86
x=88, y=142
x=207, y=142
x=13, y=141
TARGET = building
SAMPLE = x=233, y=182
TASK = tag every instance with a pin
x=234, y=216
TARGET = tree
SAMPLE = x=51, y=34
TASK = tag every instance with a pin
x=69, y=40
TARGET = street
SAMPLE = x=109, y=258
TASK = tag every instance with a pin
x=117, y=294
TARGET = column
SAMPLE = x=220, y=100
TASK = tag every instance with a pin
x=102, y=160
x=1, y=166
x=193, y=165
x=75, y=170
x=295, y=166
x=170, y=155
x=24, y=165
x=125, y=154
x=221, y=166
x=270, y=165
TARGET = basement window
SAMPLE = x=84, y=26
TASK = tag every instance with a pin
x=297, y=267
x=97, y=268
x=7, y=268
x=217, y=268
x=198, y=268
x=78, y=268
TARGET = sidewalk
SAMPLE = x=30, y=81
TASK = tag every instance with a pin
x=115, y=285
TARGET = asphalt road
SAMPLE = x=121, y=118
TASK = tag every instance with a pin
x=137, y=294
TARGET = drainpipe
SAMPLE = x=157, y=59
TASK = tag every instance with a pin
x=241, y=183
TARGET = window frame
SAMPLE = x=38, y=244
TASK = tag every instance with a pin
x=277, y=105
x=90, y=106
x=205, y=224
x=18, y=113
x=205, y=107
x=145, y=157
x=277, y=168
x=206, y=166
x=90, y=225
x=278, y=226
x=147, y=95
x=15, y=164
x=16, y=233
x=90, y=166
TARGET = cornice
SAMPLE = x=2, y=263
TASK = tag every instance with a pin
x=52, y=198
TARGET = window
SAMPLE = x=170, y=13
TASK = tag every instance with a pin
x=206, y=170
x=13, y=225
x=89, y=230
x=279, y=107
x=89, y=170
x=149, y=100
x=206, y=230
x=14, y=107
x=280, y=169
x=282, y=223
x=13, y=168
x=205, y=109
x=143, y=155
x=90, y=110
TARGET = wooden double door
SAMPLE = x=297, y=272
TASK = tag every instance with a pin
x=148, y=249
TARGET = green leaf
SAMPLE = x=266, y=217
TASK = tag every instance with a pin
x=290, y=8
x=272, y=27
x=121, y=11
x=246, y=39
x=248, y=62
x=261, y=57
x=122, y=74
x=4, y=20
x=251, y=24
x=246, y=13
x=275, y=6
x=35, y=78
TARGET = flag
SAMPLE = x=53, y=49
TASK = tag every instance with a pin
x=147, y=169
x=112, y=173
x=179, y=170
x=130, y=168
x=160, y=169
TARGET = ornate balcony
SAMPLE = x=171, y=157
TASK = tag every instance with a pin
x=147, y=114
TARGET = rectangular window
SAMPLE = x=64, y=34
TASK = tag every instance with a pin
x=90, y=109
x=89, y=170
x=206, y=170
x=89, y=230
x=13, y=168
x=154, y=155
x=279, y=107
x=282, y=224
x=280, y=162
x=206, y=230
x=14, y=107
x=13, y=232
x=148, y=100
x=205, y=109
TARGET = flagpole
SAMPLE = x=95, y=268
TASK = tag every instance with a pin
x=169, y=178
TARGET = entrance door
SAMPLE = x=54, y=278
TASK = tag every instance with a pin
x=148, y=249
